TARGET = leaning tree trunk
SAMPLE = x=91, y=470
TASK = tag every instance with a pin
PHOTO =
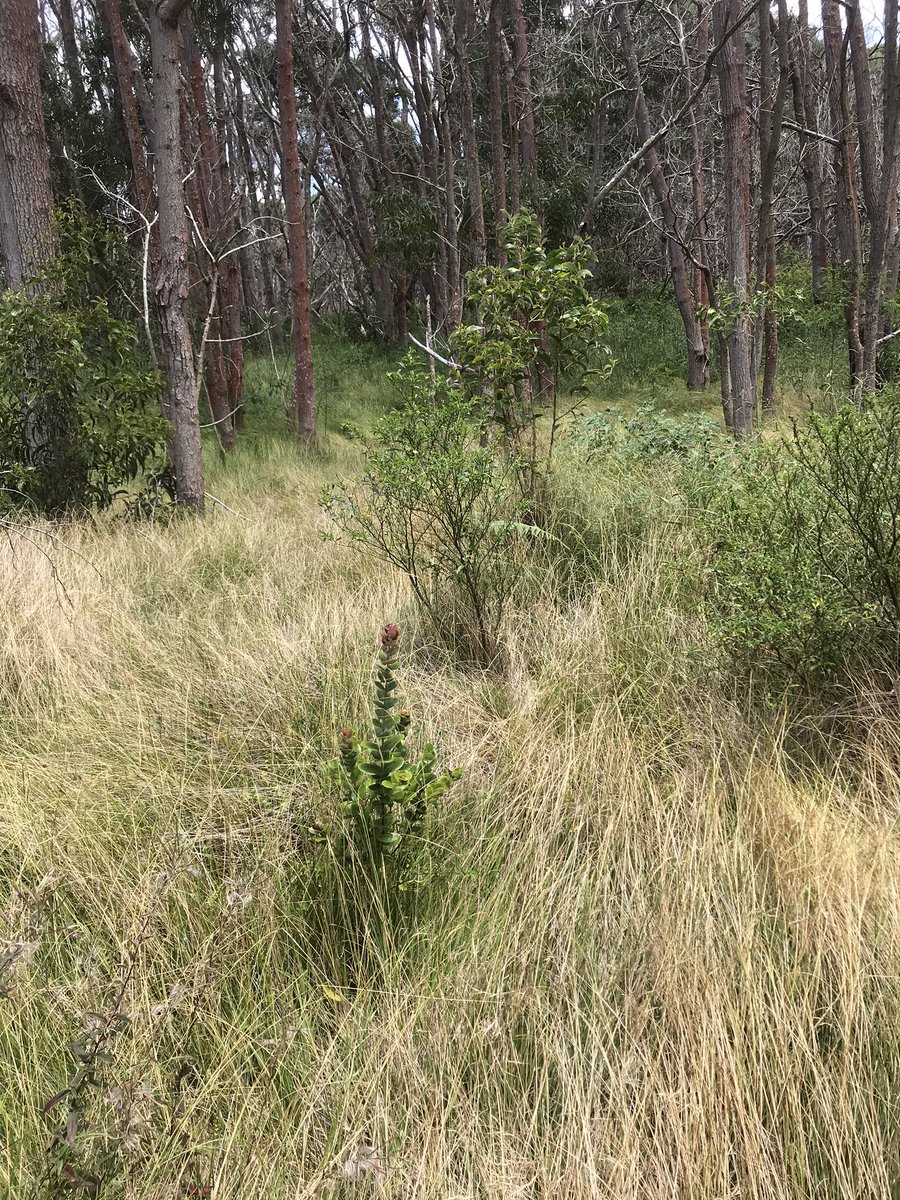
x=732, y=72
x=26, y=199
x=304, y=395
x=173, y=277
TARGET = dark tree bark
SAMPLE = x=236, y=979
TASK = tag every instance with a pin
x=26, y=199
x=292, y=183
x=173, y=278
x=732, y=72
x=123, y=62
x=70, y=52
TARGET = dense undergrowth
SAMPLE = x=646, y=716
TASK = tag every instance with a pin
x=656, y=945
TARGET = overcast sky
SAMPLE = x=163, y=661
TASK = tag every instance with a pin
x=872, y=11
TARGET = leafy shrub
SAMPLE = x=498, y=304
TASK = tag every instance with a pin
x=649, y=433
x=385, y=793
x=531, y=324
x=804, y=572
x=79, y=415
x=79, y=408
x=377, y=847
x=441, y=507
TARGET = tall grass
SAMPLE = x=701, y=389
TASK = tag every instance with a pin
x=655, y=957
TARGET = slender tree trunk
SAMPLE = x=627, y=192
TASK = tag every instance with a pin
x=847, y=231
x=698, y=194
x=512, y=110
x=772, y=100
x=464, y=33
x=495, y=109
x=172, y=281
x=229, y=282
x=810, y=158
x=698, y=362
x=304, y=395
x=883, y=189
x=70, y=53
x=732, y=72
x=454, y=292
x=527, y=135
x=122, y=60
x=26, y=199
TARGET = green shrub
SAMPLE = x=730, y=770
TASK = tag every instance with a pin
x=443, y=508
x=531, y=324
x=79, y=415
x=80, y=423
x=804, y=571
x=649, y=433
x=385, y=793
x=378, y=846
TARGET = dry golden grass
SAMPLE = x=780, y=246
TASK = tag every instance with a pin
x=656, y=959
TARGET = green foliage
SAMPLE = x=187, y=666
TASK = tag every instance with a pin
x=385, y=793
x=532, y=322
x=79, y=416
x=404, y=229
x=79, y=407
x=646, y=339
x=649, y=433
x=804, y=571
x=368, y=884
x=439, y=505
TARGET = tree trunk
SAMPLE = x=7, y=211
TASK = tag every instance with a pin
x=810, y=158
x=304, y=395
x=172, y=281
x=847, y=231
x=70, y=53
x=464, y=32
x=122, y=60
x=495, y=109
x=698, y=361
x=229, y=280
x=770, y=124
x=732, y=72
x=26, y=199
x=527, y=135
x=454, y=291
x=883, y=189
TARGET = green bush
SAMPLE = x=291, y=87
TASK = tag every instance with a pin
x=649, y=433
x=80, y=422
x=443, y=508
x=804, y=567
x=79, y=414
x=367, y=885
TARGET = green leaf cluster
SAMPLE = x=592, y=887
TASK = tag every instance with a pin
x=386, y=793
x=804, y=564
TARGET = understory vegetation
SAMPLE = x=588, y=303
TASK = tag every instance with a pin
x=613, y=912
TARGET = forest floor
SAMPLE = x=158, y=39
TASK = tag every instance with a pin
x=658, y=952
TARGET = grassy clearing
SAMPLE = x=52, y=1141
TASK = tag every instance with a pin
x=656, y=957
